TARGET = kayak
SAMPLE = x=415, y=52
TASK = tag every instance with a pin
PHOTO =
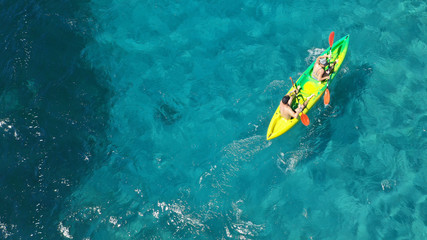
x=308, y=86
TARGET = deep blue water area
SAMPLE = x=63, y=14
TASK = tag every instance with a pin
x=52, y=115
x=147, y=120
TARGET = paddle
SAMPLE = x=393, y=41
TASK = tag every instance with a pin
x=327, y=96
x=295, y=86
x=304, y=118
x=331, y=40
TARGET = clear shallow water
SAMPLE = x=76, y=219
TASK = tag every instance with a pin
x=152, y=123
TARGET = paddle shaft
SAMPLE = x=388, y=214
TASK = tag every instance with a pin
x=327, y=96
x=304, y=118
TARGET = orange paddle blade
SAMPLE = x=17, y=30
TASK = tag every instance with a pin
x=304, y=119
x=331, y=38
x=326, y=97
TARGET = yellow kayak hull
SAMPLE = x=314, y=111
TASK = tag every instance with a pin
x=278, y=125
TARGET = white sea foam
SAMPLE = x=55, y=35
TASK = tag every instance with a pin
x=65, y=231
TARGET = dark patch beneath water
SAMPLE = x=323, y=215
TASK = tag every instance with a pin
x=168, y=112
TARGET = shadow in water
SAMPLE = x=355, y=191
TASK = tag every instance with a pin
x=349, y=84
x=168, y=111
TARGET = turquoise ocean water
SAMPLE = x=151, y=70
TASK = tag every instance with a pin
x=147, y=120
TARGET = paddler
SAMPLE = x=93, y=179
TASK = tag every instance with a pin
x=285, y=105
x=319, y=72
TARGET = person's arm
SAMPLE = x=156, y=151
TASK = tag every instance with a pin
x=321, y=72
x=324, y=56
x=301, y=107
x=295, y=114
x=324, y=78
x=291, y=98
